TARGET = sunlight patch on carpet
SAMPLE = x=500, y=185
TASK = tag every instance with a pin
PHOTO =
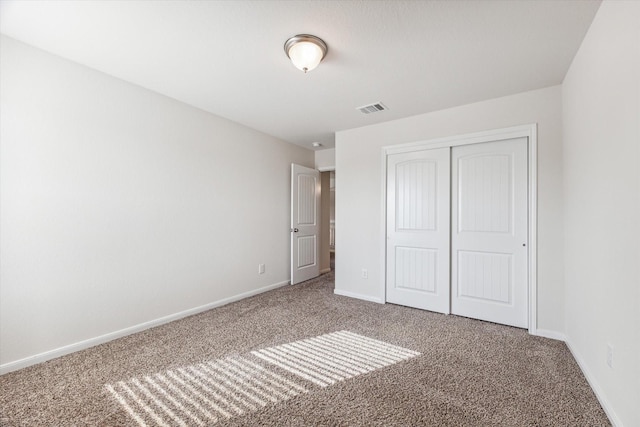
x=205, y=393
x=329, y=358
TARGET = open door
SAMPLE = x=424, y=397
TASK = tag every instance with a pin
x=305, y=223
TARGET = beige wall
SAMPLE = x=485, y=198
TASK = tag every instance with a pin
x=601, y=113
x=359, y=203
x=120, y=206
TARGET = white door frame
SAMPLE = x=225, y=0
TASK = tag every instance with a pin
x=529, y=131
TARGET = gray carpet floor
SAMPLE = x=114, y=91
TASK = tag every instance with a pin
x=302, y=356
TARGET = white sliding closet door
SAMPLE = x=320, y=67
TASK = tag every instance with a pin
x=489, y=231
x=418, y=229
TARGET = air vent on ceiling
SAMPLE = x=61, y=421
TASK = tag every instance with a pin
x=372, y=108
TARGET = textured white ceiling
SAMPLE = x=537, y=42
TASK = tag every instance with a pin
x=227, y=57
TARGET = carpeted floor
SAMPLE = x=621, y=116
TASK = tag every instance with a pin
x=301, y=356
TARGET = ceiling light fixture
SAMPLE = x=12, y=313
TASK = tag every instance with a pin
x=316, y=145
x=305, y=51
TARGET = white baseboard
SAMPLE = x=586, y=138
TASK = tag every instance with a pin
x=606, y=405
x=554, y=335
x=91, y=342
x=615, y=421
x=325, y=270
x=358, y=296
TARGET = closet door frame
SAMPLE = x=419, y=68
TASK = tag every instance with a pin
x=530, y=132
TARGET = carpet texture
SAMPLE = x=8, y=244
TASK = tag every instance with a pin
x=301, y=356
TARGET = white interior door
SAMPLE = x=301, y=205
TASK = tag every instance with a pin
x=305, y=222
x=489, y=232
x=418, y=229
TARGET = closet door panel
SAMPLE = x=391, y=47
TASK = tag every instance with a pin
x=489, y=231
x=418, y=229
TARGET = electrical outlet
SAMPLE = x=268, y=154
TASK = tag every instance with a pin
x=610, y=355
x=365, y=273
x=261, y=268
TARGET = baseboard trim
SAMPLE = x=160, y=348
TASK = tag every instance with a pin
x=358, y=296
x=91, y=342
x=554, y=335
x=325, y=270
x=597, y=390
x=613, y=418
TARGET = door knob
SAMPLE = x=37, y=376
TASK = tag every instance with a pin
x=295, y=230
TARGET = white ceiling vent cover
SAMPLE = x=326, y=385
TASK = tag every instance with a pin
x=372, y=108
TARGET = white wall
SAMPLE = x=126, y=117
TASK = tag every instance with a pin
x=120, y=206
x=325, y=159
x=359, y=202
x=601, y=112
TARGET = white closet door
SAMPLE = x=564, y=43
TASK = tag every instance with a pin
x=489, y=232
x=418, y=229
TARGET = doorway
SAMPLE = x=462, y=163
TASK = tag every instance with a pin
x=312, y=223
x=327, y=221
x=332, y=220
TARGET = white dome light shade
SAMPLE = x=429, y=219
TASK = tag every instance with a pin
x=305, y=55
x=305, y=51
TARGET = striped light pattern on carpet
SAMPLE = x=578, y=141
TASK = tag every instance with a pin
x=205, y=393
x=325, y=359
